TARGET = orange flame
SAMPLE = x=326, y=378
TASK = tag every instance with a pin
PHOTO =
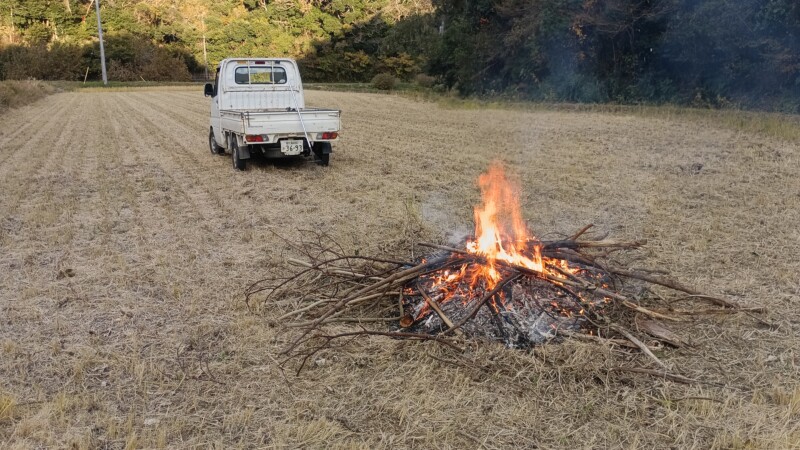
x=500, y=235
x=500, y=232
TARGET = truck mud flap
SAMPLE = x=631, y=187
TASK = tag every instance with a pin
x=322, y=148
x=244, y=150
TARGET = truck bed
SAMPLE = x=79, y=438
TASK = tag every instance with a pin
x=280, y=121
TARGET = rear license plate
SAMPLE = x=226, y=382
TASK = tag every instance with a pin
x=292, y=147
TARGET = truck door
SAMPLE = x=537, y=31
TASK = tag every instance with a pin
x=215, y=117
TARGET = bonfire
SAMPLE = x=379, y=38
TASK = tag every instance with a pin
x=502, y=284
x=505, y=284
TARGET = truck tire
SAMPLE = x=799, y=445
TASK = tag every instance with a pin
x=216, y=149
x=238, y=163
x=322, y=153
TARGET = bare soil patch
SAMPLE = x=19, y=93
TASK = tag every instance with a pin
x=125, y=248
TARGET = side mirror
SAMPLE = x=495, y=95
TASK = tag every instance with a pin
x=209, y=90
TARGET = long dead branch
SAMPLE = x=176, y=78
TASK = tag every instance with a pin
x=580, y=232
x=363, y=332
x=644, y=348
x=550, y=245
x=659, y=374
x=672, y=284
x=401, y=276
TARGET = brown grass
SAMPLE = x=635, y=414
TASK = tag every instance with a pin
x=125, y=247
x=776, y=125
x=14, y=93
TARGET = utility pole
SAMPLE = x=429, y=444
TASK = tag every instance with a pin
x=102, y=49
x=205, y=56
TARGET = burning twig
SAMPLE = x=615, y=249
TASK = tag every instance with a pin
x=483, y=301
x=434, y=305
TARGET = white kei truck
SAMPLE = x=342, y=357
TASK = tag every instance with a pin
x=258, y=108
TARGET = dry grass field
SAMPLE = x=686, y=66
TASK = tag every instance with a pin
x=125, y=247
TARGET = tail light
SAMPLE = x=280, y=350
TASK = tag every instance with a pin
x=254, y=138
x=329, y=135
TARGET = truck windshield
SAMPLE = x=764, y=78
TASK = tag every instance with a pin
x=260, y=75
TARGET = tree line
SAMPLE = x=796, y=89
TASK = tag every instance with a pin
x=701, y=52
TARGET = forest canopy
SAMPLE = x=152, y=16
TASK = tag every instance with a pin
x=700, y=52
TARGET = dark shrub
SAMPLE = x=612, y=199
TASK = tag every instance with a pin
x=384, y=81
x=425, y=81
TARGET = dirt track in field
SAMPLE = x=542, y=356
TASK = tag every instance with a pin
x=125, y=246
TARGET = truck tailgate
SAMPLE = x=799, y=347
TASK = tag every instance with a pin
x=281, y=121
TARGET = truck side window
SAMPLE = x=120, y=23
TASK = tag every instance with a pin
x=216, y=82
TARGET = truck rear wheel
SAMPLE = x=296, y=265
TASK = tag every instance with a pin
x=322, y=153
x=212, y=143
x=238, y=163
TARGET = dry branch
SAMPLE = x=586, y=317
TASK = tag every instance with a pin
x=598, y=339
x=644, y=348
x=659, y=331
x=372, y=289
x=580, y=232
x=672, y=284
x=393, y=279
x=659, y=374
x=550, y=245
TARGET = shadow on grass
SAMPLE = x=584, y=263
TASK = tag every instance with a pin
x=261, y=163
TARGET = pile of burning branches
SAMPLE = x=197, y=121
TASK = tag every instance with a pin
x=504, y=285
